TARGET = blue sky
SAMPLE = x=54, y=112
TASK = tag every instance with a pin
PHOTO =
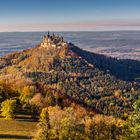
x=69, y=15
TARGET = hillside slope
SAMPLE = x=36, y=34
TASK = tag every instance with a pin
x=65, y=74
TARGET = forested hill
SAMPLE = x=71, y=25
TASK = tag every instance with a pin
x=64, y=73
x=124, y=69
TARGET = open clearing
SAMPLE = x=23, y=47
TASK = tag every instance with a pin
x=22, y=128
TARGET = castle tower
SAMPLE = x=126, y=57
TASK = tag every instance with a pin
x=48, y=34
x=45, y=39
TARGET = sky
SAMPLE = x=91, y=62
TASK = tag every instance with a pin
x=69, y=15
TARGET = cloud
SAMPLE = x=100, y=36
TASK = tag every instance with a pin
x=73, y=26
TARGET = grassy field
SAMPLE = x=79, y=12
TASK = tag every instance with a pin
x=22, y=128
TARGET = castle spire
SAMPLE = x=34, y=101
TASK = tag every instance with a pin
x=48, y=34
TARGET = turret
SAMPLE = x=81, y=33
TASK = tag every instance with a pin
x=48, y=34
x=45, y=38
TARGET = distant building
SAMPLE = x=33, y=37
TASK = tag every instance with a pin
x=53, y=41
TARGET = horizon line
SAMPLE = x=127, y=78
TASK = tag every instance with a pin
x=113, y=30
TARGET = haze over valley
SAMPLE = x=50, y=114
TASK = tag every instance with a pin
x=119, y=44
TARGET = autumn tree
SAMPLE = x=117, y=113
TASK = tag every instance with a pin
x=43, y=126
x=133, y=132
x=26, y=95
x=90, y=129
x=8, y=108
x=6, y=92
x=70, y=129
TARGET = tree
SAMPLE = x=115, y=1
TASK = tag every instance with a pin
x=26, y=95
x=8, y=108
x=133, y=132
x=69, y=128
x=64, y=124
x=90, y=129
x=43, y=126
x=6, y=92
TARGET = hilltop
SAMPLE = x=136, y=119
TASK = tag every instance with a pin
x=66, y=74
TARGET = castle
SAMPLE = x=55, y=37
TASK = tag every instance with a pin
x=53, y=41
